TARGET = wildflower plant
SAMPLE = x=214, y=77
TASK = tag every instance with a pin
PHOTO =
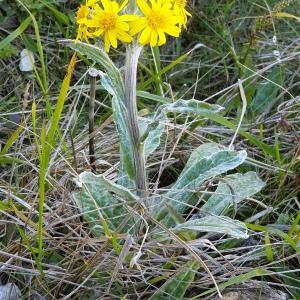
x=105, y=203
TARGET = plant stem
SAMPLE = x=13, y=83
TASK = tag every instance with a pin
x=91, y=122
x=132, y=57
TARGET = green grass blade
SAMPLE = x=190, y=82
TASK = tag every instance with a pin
x=47, y=145
x=44, y=85
x=277, y=232
x=169, y=67
x=60, y=17
x=12, y=140
x=251, y=138
x=177, y=285
x=268, y=248
x=23, y=26
x=235, y=280
x=295, y=224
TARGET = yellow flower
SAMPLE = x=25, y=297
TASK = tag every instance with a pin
x=179, y=10
x=158, y=20
x=106, y=22
x=83, y=12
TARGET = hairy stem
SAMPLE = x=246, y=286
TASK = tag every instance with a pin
x=91, y=122
x=132, y=56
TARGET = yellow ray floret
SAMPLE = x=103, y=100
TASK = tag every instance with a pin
x=84, y=12
x=106, y=22
x=179, y=7
x=158, y=20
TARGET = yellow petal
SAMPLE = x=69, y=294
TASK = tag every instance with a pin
x=137, y=26
x=98, y=9
x=173, y=31
x=143, y=6
x=123, y=5
x=162, y=38
x=98, y=32
x=106, y=42
x=154, y=37
x=128, y=17
x=122, y=26
x=91, y=2
x=91, y=23
x=145, y=36
x=112, y=38
x=123, y=36
x=106, y=4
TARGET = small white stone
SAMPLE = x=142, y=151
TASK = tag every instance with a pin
x=276, y=53
x=27, y=61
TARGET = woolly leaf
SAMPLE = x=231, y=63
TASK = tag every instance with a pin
x=233, y=189
x=215, y=224
x=152, y=135
x=206, y=162
x=112, y=81
x=100, y=197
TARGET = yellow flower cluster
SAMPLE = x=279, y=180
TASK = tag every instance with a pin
x=155, y=19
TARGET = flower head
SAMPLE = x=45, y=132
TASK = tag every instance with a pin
x=179, y=10
x=84, y=12
x=158, y=20
x=105, y=21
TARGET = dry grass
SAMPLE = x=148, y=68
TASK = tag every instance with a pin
x=78, y=265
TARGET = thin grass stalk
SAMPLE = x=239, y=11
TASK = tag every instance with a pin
x=48, y=143
x=43, y=80
x=132, y=56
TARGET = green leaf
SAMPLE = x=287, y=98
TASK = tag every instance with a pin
x=120, y=118
x=268, y=248
x=233, y=189
x=14, y=136
x=8, y=51
x=291, y=279
x=177, y=285
x=169, y=67
x=29, y=42
x=216, y=224
x=188, y=107
x=234, y=280
x=266, y=93
x=284, y=236
x=98, y=197
x=98, y=56
x=151, y=136
x=156, y=98
x=112, y=81
x=250, y=138
x=6, y=41
x=5, y=160
x=60, y=17
x=208, y=161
